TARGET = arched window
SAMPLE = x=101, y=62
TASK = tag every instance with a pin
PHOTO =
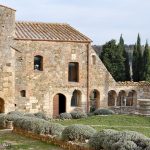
x=23, y=93
x=94, y=100
x=73, y=72
x=76, y=98
x=93, y=59
x=112, y=97
x=38, y=62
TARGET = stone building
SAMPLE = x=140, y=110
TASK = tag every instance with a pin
x=52, y=67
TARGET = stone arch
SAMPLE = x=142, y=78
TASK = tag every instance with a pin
x=59, y=104
x=76, y=98
x=121, y=99
x=2, y=106
x=132, y=98
x=112, y=97
x=94, y=99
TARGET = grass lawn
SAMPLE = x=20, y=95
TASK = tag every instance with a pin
x=118, y=122
x=22, y=143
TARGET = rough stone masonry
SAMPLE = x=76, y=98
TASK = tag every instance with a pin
x=52, y=68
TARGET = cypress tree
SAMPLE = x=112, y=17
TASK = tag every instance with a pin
x=126, y=67
x=137, y=61
x=146, y=63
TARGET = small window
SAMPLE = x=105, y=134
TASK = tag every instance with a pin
x=38, y=63
x=73, y=74
x=23, y=93
x=93, y=59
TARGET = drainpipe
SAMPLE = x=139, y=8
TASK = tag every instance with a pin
x=88, y=53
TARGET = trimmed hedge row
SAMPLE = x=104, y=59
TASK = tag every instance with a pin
x=119, y=140
x=80, y=114
x=78, y=132
x=38, y=126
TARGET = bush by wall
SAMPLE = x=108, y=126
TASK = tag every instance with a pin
x=15, y=113
x=115, y=140
x=65, y=116
x=77, y=132
x=103, y=112
x=29, y=115
x=40, y=115
x=78, y=114
x=2, y=121
x=38, y=126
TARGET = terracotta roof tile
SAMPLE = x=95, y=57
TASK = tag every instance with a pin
x=48, y=32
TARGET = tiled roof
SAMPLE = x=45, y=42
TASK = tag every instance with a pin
x=48, y=32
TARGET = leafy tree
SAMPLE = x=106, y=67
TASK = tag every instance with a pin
x=112, y=57
x=146, y=63
x=137, y=61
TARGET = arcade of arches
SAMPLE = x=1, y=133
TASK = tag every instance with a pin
x=122, y=98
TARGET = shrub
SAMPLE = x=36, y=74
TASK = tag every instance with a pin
x=90, y=114
x=29, y=115
x=38, y=126
x=55, y=129
x=103, y=112
x=12, y=117
x=2, y=121
x=40, y=115
x=15, y=113
x=77, y=132
x=97, y=140
x=65, y=116
x=78, y=115
x=115, y=140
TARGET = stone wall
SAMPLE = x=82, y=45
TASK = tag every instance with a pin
x=7, y=26
x=42, y=86
x=99, y=77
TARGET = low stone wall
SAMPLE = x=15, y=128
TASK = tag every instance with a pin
x=124, y=109
x=144, y=107
x=49, y=139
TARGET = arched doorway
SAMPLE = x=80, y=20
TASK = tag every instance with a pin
x=132, y=98
x=2, y=109
x=76, y=98
x=59, y=104
x=121, y=99
x=94, y=100
x=112, y=97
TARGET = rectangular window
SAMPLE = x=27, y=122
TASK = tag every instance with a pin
x=73, y=74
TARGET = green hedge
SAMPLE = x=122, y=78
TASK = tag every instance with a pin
x=103, y=111
x=38, y=126
x=119, y=140
x=77, y=133
x=78, y=115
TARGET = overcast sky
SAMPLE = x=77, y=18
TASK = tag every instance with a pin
x=101, y=20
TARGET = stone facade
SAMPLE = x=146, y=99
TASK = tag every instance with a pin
x=27, y=89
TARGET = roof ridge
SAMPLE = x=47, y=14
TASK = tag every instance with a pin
x=35, y=22
x=7, y=7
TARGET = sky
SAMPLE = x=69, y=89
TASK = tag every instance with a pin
x=100, y=20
